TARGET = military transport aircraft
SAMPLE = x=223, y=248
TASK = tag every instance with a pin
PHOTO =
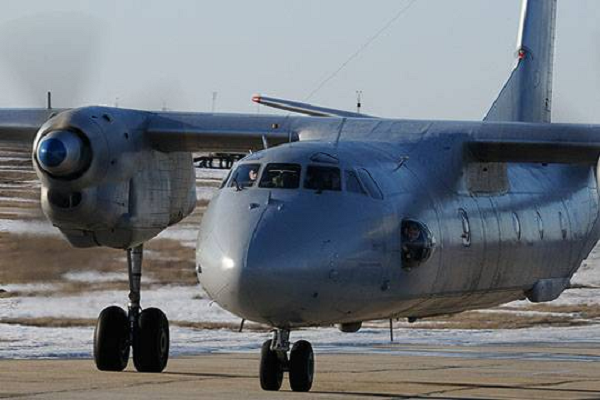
x=335, y=217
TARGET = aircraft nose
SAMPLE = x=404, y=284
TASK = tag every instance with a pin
x=220, y=268
x=222, y=249
x=280, y=262
x=247, y=258
x=286, y=269
x=298, y=258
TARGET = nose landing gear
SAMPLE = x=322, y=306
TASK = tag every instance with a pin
x=274, y=362
x=147, y=331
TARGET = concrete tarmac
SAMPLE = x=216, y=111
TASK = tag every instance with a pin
x=508, y=372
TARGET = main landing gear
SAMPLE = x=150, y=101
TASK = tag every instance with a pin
x=145, y=331
x=274, y=362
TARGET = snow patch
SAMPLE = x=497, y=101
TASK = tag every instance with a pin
x=35, y=228
x=95, y=276
x=180, y=303
x=29, y=287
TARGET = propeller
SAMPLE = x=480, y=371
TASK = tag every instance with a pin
x=50, y=51
x=60, y=52
x=166, y=93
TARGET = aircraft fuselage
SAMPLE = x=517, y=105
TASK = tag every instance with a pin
x=297, y=256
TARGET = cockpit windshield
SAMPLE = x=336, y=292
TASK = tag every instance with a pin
x=323, y=178
x=281, y=176
x=244, y=176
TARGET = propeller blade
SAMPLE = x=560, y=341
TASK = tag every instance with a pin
x=50, y=52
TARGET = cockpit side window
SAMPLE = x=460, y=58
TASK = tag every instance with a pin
x=281, y=176
x=224, y=182
x=370, y=184
x=323, y=178
x=244, y=176
x=353, y=184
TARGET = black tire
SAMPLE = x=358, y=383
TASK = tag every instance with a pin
x=271, y=368
x=151, y=341
x=302, y=366
x=111, y=340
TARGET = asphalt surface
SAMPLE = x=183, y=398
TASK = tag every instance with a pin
x=507, y=372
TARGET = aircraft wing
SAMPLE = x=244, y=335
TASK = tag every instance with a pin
x=21, y=125
x=217, y=132
x=164, y=131
x=175, y=131
x=536, y=143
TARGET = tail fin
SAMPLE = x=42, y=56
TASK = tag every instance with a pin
x=527, y=95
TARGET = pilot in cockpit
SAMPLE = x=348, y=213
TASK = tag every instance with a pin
x=253, y=174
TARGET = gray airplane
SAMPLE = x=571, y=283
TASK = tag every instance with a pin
x=335, y=217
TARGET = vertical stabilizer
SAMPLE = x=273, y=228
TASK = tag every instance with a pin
x=527, y=95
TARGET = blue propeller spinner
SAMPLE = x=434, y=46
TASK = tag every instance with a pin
x=60, y=153
x=51, y=153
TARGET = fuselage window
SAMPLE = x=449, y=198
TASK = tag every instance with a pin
x=417, y=243
x=281, y=176
x=516, y=225
x=370, y=184
x=353, y=184
x=244, y=176
x=563, y=225
x=323, y=178
x=540, y=224
x=466, y=228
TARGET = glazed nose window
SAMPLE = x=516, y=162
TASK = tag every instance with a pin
x=417, y=244
x=323, y=178
x=281, y=176
x=244, y=176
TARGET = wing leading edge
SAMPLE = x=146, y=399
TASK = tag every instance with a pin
x=21, y=125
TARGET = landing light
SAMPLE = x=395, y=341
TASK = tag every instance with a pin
x=227, y=263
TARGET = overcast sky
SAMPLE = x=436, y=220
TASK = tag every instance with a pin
x=441, y=59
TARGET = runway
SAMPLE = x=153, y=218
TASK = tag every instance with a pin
x=506, y=372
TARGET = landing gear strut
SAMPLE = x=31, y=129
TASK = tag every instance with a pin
x=274, y=362
x=146, y=331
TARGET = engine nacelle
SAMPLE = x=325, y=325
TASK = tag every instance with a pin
x=102, y=182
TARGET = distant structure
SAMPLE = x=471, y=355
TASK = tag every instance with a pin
x=358, y=100
x=214, y=101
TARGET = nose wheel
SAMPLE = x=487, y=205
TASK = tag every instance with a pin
x=118, y=331
x=274, y=362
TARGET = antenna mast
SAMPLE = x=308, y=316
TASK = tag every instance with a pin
x=214, y=101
